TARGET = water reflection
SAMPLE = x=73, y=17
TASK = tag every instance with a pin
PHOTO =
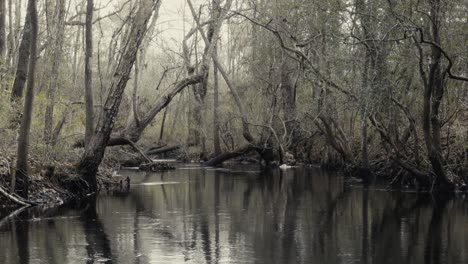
x=97, y=244
x=213, y=216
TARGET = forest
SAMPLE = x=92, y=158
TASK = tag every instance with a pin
x=377, y=89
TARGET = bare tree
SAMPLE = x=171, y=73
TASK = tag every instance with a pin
x=21, y=180
x=94, y=151
x=433, y=81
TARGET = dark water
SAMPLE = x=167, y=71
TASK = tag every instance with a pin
x=210, y=216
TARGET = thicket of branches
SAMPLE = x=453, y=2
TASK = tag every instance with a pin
x=372, y=86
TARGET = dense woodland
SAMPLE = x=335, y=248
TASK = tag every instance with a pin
x=373, y=87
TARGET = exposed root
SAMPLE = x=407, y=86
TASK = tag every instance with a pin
x=15, y=198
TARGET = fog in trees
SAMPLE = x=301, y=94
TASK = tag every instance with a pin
x=375, y=91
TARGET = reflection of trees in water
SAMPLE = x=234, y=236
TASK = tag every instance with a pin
x=434, y=250
x=289, y=217
x=145, y=208
x=32, y=230
x=388, y=230
x=22, y=237
x=98, y=245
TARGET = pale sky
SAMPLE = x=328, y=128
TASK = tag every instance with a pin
x=170, y=21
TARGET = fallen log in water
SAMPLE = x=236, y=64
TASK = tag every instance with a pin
x=136, y=161
x=162, y=150
x=230, y=155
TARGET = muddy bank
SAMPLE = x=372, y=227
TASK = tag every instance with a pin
x=57, y=184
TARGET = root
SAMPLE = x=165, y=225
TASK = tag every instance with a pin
x=15, y=198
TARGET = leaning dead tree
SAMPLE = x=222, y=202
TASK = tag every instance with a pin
x=94, y=151
x=135, y=128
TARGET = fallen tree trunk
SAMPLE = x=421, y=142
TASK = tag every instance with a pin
x=162, y=150
x=134, y=130
x=230, y=155
x=114, y=141
x=142, y=153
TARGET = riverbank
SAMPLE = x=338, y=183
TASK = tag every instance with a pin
x=52, y=184
x=57, y=184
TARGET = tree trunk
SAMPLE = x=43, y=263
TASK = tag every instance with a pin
x=243, y=113
x=288, y=87
x=23, y=60
x=334, y=140
x=55, y=52
x=216, y=141
x=89, y=126
x=22, y=178
x=162, y=150
x=161, y=132
x=264, y=152
x=136, y=74
x=200, y=89
x=94, y=151
x=288, y=91
x=433, y=95
x=2, y=30
x=11, y=38
x=230, y=155
x=134, y=130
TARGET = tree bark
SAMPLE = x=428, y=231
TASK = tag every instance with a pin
x=230, y=155
x=288, y=86
x=23, y=60
x=163, y=122
x=55, y=52
x=339, y=145
x=94, y=151
x=200, y=89
x=433, y=95
x=22, y=178
x=264, y=152
x=245, y=126
x=89, y=104
x=135, y=92
x=162, y=150
x=11, y=37
x=366, y=103
x=216, y=141
x=133, y=131
x=2, y=29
